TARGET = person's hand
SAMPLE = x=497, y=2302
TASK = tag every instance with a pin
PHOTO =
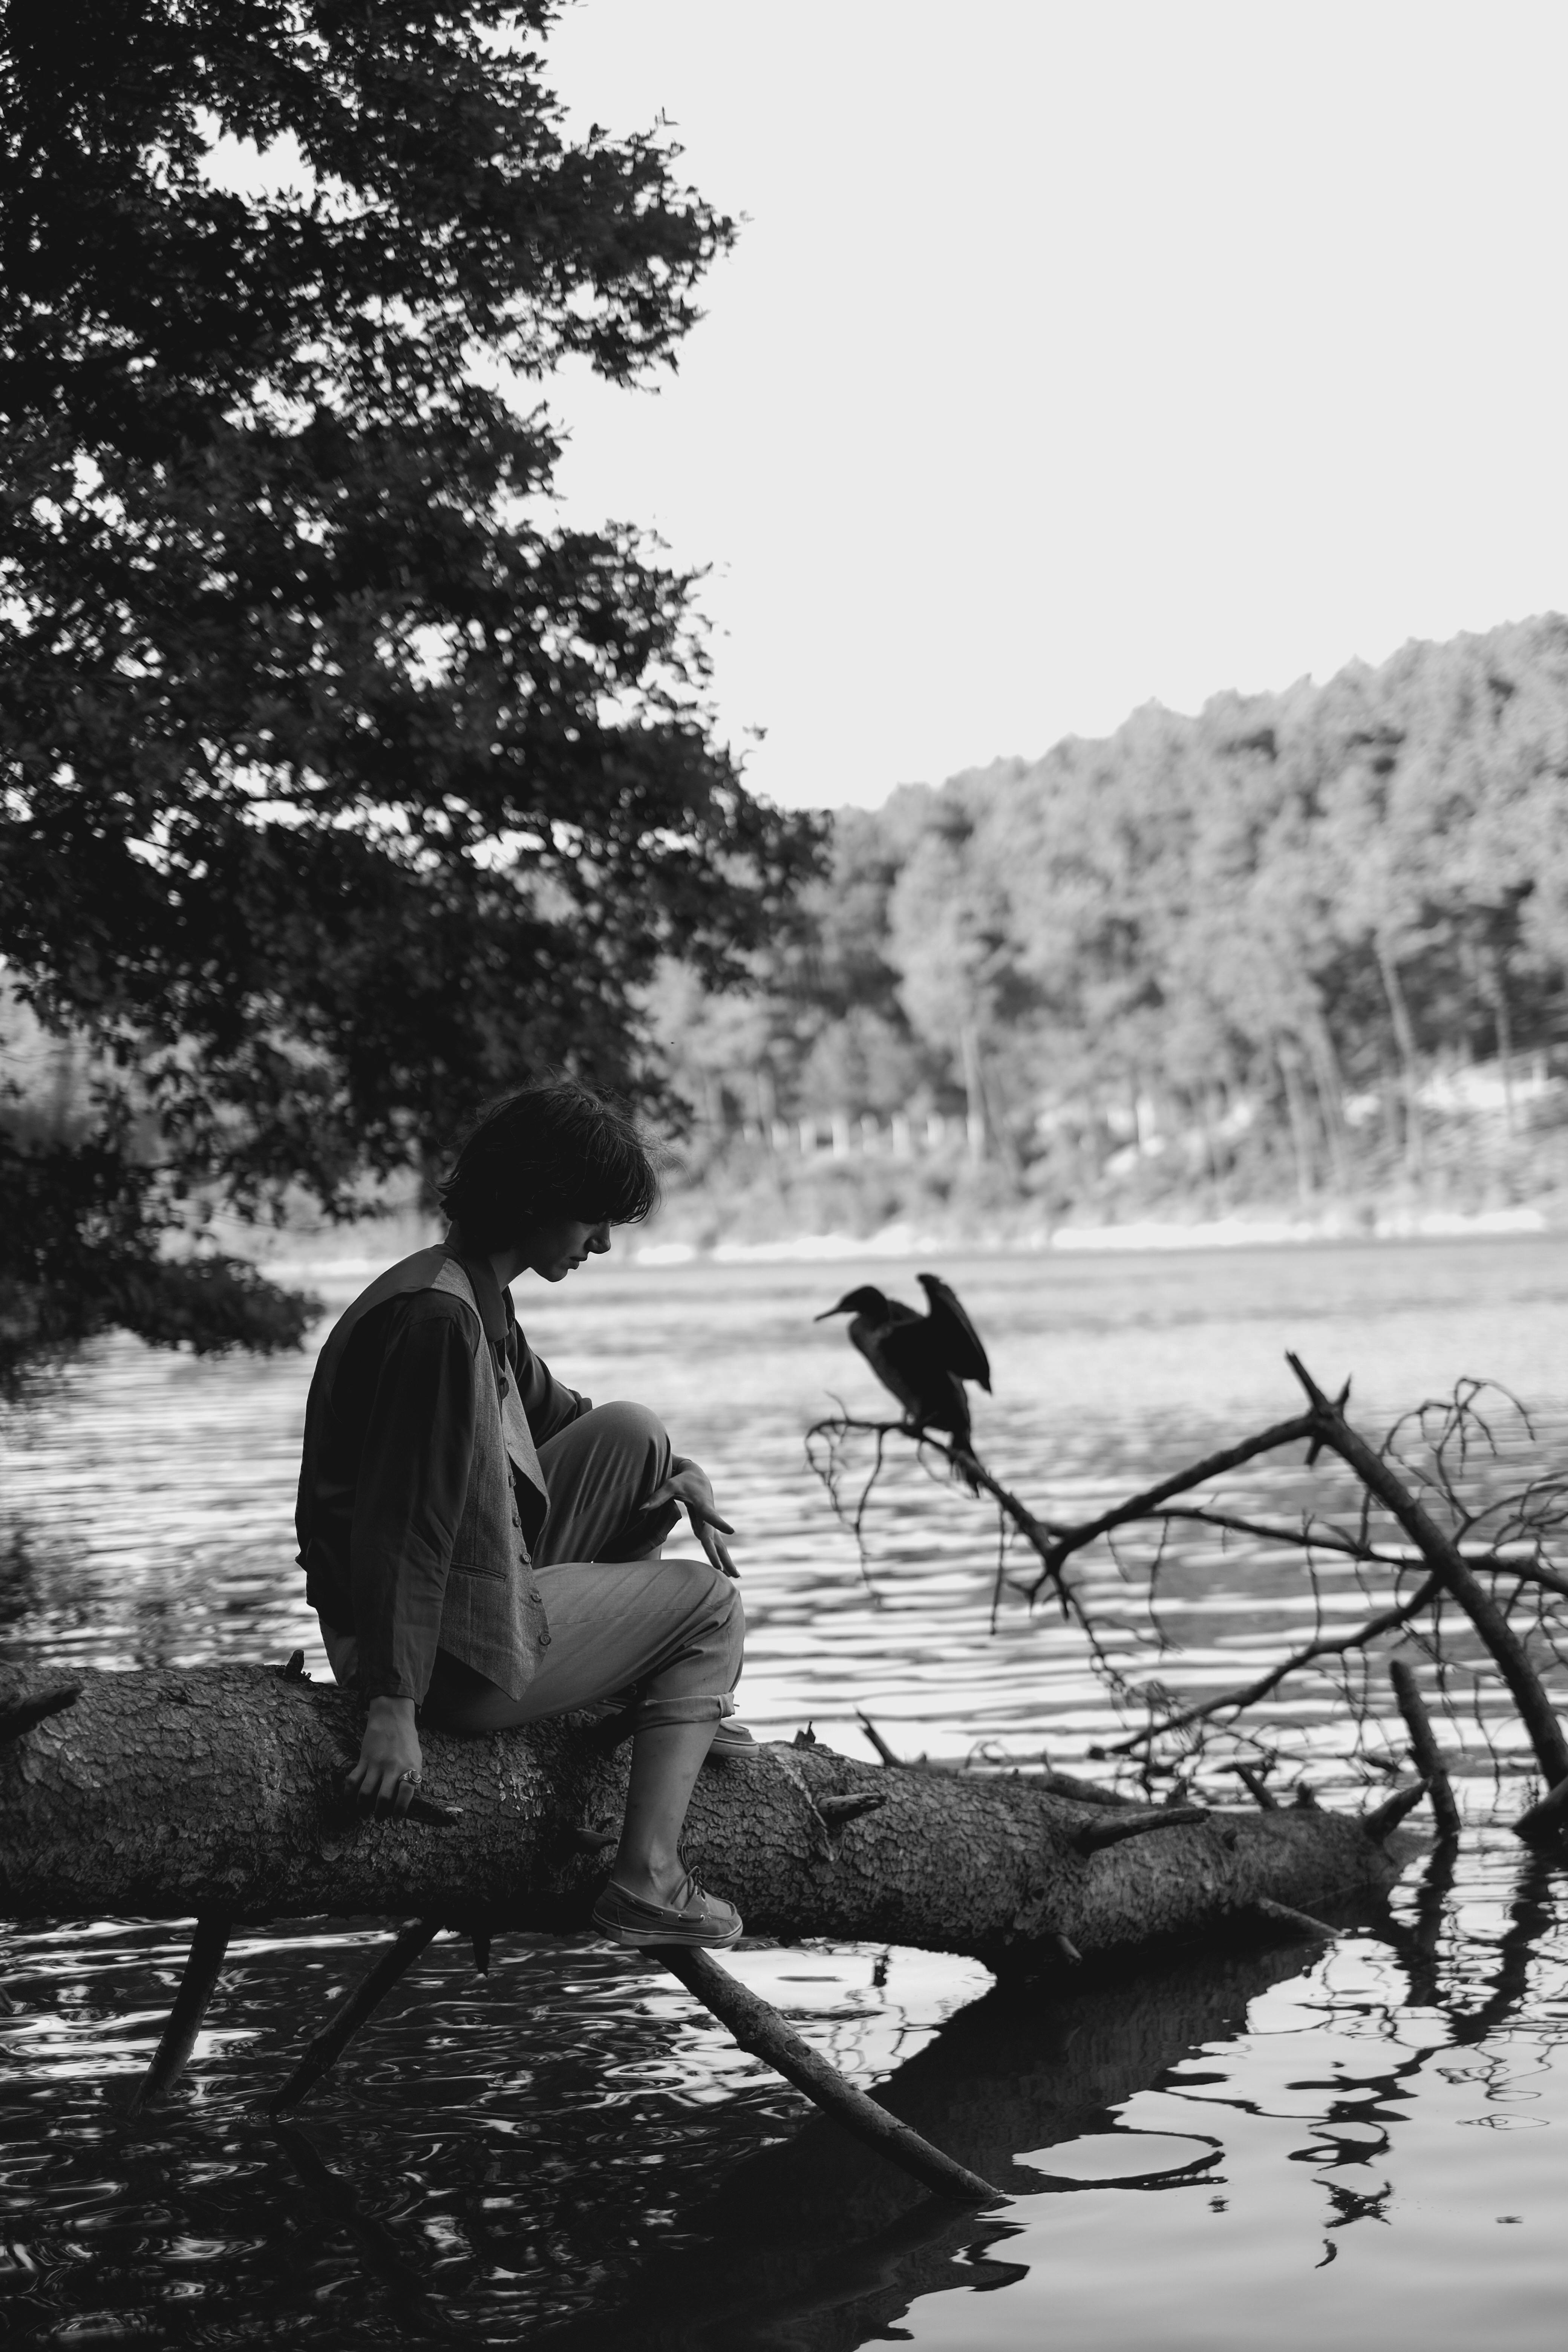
x=688, y=1484
x=387, y=1754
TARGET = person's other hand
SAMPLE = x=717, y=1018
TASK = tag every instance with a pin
x=388, y=1753
x=688, y=1484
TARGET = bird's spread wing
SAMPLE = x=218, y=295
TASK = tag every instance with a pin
x=958, y=1339
x=935, y=1396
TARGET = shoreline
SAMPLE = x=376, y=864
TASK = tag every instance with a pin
x=903, y=1241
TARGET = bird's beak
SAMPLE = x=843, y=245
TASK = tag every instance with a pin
x=830, y=1311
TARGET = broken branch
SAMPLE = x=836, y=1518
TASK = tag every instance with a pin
x=1116, y=1828
x=351, y=2011
x=1424, y=1746
x=1448, y=1563
x=759, y=2028
x=1326, y=1645
x=178, y=2038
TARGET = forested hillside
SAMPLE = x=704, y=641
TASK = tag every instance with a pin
x=1304, y=947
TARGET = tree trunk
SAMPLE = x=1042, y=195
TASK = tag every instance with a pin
x=973, y=1091
x=767, y=1100
x=998, y=1126
x=1211, y=1111
x=1295, y=1114
x=1329, y=1080
x=219, y=1789
x=1409, y=1058
x=1494, y=991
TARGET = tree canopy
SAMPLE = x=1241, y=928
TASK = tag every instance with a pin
x=342, y=783
x=1249, y=944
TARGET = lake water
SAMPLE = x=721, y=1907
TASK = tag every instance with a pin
x=1369, y=2143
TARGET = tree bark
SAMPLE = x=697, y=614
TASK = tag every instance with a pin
x=219, y=1788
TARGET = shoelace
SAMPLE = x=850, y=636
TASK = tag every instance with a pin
x=686, y=1894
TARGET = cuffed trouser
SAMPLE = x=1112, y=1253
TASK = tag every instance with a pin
x=663, y=1635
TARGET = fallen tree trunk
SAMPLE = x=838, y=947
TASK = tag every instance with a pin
x=217, y=1791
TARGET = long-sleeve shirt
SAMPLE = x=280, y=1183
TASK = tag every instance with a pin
x=387, y=1450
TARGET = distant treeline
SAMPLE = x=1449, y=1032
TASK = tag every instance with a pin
x=1260, y=944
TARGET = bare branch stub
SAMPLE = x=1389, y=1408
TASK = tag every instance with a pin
x=848, y=1808
x=877, y=1740
x=1116, y=1827
x=1546, y=1822
x=1286, y=1916
x=1384, y=1818
x=1424, y=1746
x=1257, y=1788
x=20, y=1715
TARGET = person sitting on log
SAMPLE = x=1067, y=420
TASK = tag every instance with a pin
x=482, y=1545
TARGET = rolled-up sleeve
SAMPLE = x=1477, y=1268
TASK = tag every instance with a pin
x=414, y=1476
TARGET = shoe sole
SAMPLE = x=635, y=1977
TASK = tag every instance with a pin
x=638, y=1939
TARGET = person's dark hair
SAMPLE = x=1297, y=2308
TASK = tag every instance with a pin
x=552, y=1149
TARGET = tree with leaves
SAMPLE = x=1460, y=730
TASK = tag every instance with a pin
x=1220, y=957
x=341, y=782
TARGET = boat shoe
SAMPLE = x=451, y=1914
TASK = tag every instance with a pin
x=732, y=1743
x=694, y=1918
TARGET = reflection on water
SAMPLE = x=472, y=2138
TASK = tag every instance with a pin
x=1369, y=2142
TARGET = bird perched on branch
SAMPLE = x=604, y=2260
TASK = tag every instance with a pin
x=922, y=1360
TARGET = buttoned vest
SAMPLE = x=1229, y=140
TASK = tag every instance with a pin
x=492, y=1613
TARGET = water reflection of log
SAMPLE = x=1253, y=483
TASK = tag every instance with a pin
x=817, y=2245
x=1420, y=1944
x=420, y=2317
x=1531, y=1915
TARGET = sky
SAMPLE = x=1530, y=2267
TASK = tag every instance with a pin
x=1076, y=356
